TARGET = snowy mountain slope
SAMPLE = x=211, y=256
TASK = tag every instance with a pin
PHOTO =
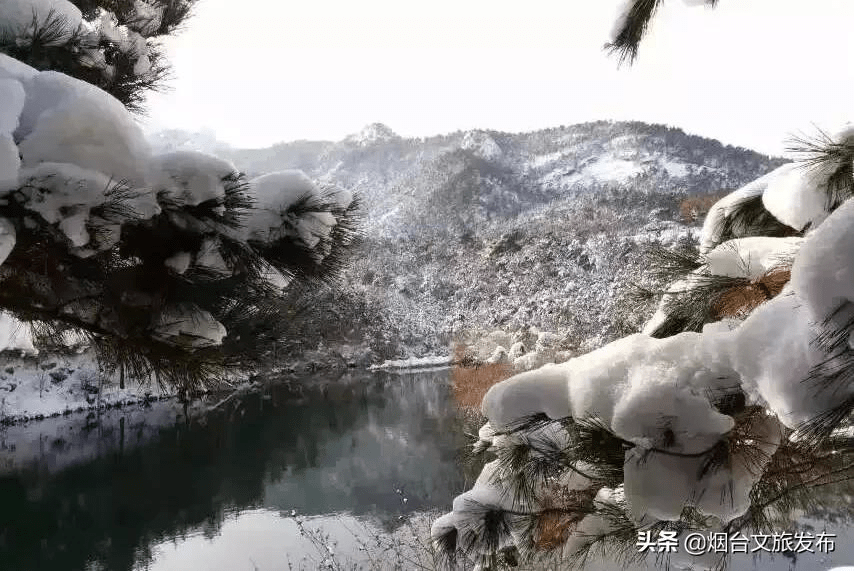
x=391, y=172
x=482, y=230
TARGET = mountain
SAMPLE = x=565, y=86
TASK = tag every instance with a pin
x=480, y=230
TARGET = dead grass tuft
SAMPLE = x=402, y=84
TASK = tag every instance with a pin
x=471, y=381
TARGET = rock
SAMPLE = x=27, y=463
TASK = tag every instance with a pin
x=9, y=370
x=516, y=350
x=48, y=366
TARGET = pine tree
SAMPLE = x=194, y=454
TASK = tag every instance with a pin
x=172, y=266
x=111, y=44
x=589, y=457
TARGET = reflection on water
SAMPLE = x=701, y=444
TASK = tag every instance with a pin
x=379, y=445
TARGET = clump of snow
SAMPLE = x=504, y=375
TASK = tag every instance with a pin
x=7, y=239
x=10, y=162
x=751, y=257
x=65, y=120
x=15, y=335
x=128, y=38
x=210, y=258
x=823, y=273
x=498, y=356
x=341, y=196
x=542, y=391
x=64, y=194
x=188, y=328
x=12, y=95
x=179, y=262
x=275, y=278
x=276, y=193
x=798, y=198
x=18, y=16
x=191, y=177
x=723, y=209
x=658, y=486
x=10, y=68
x=517, y=349
x=147, y=17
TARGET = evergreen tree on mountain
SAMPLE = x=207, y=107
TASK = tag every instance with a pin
x=172, y=266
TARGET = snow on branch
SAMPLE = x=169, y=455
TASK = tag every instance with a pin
x=728, y=413
x=156, y=257
x=108, y=43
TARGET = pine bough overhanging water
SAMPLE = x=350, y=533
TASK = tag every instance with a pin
x=171, y=264
x=725, y=415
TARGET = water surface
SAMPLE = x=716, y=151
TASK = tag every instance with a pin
x=291, y=478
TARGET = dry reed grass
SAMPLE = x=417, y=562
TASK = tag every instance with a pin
x=471, y=383
x=471, y=380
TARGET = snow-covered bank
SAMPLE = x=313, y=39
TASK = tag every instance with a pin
x=34, y=387
x=522, y=350
x=429, y=361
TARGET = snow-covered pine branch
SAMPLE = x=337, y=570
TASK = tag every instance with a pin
x=109, y=43
x=732, y=406
x=632, y=22
x=155, y=257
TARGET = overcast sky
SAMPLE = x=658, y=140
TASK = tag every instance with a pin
x=750, y=72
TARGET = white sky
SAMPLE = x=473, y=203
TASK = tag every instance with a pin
x=750, y=72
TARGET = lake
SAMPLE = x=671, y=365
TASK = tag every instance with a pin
x=338, y=471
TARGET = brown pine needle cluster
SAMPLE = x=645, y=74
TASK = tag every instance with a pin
x=741, y=300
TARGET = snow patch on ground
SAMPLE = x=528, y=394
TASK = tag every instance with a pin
x=613, y=169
